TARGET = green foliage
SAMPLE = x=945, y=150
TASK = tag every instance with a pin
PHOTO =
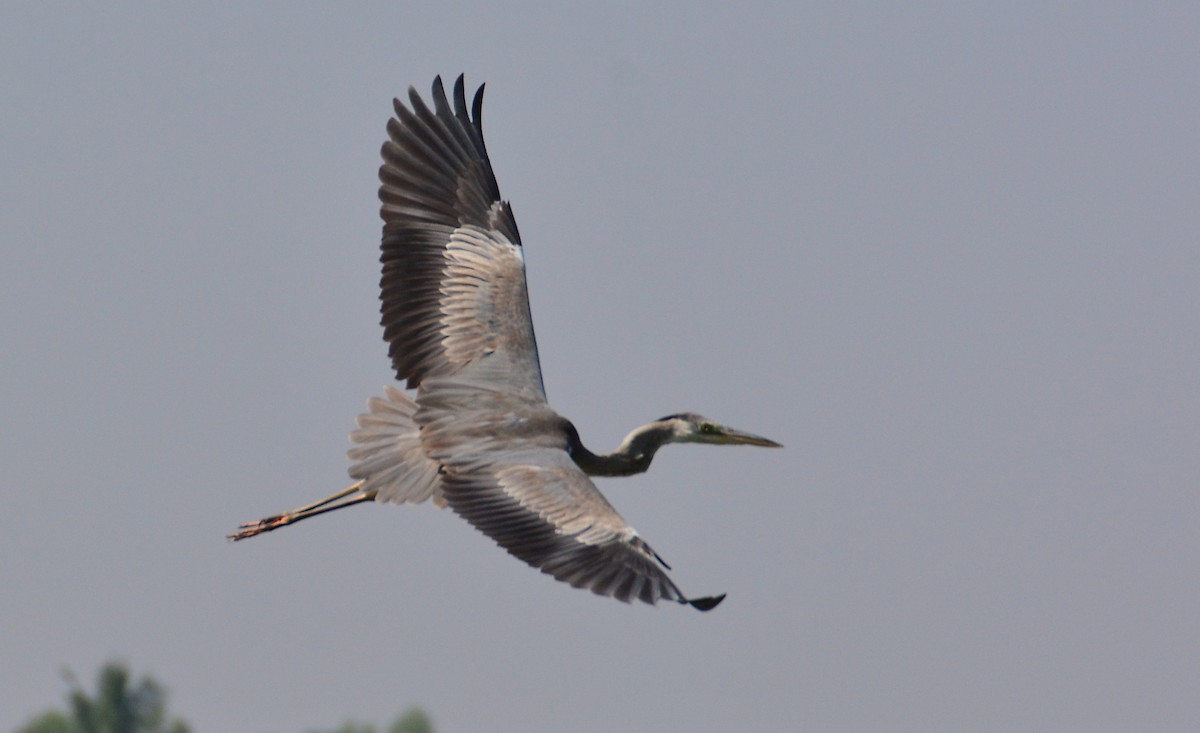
x=122, y=707
x=118, y=707
x=52, y=721
x=350, y=727
x=412, y=721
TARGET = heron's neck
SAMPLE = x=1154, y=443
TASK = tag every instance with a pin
x=632, y=456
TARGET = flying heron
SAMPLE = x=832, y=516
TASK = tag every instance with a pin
x=478, y=435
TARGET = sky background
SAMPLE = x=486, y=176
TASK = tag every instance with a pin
x=948, y=255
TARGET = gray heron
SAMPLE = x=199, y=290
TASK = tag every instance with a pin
x=478, y=434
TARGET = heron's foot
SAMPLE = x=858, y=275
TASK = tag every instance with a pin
x=251, y=529
x=707, y=603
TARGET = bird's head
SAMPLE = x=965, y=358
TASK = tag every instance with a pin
x=688, y=427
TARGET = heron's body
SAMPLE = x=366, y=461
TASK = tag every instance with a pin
x=478, y=435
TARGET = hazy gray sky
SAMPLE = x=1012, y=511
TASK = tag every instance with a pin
x=947, y=254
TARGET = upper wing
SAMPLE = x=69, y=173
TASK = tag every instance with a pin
x=453, y=287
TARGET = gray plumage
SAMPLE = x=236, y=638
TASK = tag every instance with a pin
x=479, y=435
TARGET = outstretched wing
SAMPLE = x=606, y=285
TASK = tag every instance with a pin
x=545, y=511
x=506, y=470
x=453, y=290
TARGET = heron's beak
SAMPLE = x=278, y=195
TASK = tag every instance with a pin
x=729, y=436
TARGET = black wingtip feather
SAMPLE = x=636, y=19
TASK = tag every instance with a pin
x=705, y=604
x=477, y=108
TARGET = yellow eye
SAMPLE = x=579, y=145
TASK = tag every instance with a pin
x=708, y=428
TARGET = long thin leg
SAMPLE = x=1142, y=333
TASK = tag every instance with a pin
x=250, y=529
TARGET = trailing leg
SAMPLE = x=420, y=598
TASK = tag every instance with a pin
x=328, y=504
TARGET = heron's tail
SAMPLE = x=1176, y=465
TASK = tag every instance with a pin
x=387, y=455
